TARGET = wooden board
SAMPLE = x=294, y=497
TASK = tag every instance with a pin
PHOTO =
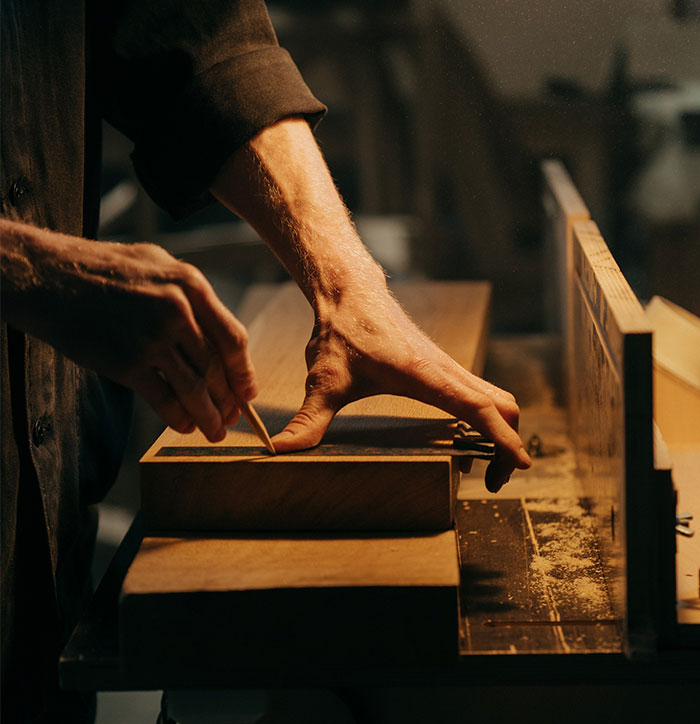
x=386, y=463
x=676, y=372
x=612, y=432
x=563, y=206
x=192, y=608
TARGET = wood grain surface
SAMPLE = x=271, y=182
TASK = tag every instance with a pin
x=195, y=605
x=392, y=465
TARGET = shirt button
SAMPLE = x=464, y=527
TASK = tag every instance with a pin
x=39, y=430
x=17, y=189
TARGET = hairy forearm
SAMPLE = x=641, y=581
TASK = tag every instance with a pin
x=281, y=185
x=25, y=253
x=43, y=268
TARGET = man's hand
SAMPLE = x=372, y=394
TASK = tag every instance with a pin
x=134, y=314
x=363, y=343
x=367, y=345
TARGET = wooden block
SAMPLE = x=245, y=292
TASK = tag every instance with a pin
x=386, y=463
x=190, y=607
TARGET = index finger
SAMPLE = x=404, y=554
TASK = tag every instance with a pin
x=228, y=336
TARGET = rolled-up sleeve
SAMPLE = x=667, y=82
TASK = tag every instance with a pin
x=189, y=83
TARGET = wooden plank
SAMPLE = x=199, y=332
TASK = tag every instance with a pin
x=612, y=430
x=191, y=607
x=676, y=372
x=563, y=206
x=390, y=459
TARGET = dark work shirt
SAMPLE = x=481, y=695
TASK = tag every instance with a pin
x=188, y=82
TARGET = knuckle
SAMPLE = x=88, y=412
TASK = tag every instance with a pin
x=239, y=336
x=324, y=379
x=241, y=379
x=175, y=303
x=192, y=277
x=147, y=248
x=513, y=411
x=423, y=366
x=510, y=412
x=482, y=404
x=178, y=419
x=305, y=416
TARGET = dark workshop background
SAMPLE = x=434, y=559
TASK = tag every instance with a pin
x=439, y=113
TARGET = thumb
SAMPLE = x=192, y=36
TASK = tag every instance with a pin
x=307, y=427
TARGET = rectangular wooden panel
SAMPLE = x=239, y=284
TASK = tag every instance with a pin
x=612, y=431
x=193, y=608
x=386, y=463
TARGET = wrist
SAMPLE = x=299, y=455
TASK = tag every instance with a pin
x=348, y=277
x=352, y=291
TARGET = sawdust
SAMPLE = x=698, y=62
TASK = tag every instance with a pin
x=566, y=560
x=593, y=592
x=566, y=506
x=541, y=565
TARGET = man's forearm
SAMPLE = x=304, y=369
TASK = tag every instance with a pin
x=280, y=184
x=28, y=256
x=17, y=276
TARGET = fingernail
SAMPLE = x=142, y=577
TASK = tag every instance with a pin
x=524, y=457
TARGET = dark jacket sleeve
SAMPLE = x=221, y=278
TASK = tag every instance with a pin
x=189, y=83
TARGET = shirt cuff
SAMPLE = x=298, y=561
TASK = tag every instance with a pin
x=220, y=110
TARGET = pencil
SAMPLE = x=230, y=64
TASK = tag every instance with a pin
x=258, y=425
